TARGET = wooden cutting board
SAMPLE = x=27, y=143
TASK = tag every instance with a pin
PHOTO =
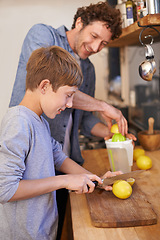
x=107, y=211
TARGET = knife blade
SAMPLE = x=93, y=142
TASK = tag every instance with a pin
x=124, y=176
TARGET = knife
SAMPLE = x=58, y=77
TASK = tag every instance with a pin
x=124, y=176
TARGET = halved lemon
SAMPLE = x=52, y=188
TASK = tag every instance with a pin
x=118, y=137
x=114, y=128
x=131, y=181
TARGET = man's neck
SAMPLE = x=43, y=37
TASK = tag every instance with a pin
x=70, y=37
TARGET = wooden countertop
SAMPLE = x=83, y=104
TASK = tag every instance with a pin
x=97, y=162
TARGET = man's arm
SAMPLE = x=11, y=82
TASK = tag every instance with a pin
x=101, y=130
x=85, y=102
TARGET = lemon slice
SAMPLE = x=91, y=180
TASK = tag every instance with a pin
x=131, y=181
x=114, y=128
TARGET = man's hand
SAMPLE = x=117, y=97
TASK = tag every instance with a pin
x=87, y=103
x=109, y=112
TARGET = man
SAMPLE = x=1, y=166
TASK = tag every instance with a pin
x=94, y=26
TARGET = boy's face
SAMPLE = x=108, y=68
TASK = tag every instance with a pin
x=91, y=39
x=52, y=103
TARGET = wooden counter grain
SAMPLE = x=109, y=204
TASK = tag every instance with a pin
x=97, y=162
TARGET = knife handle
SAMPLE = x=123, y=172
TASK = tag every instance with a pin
x=95, y=182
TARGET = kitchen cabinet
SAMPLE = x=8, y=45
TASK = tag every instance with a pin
x=130, y=34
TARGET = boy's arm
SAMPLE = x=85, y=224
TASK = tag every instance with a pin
x=77, y=179
x=75, y=182
x=70, y=167
x=32, y=188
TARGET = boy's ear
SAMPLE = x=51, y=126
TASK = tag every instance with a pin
x=79, y=24
x=43, y=86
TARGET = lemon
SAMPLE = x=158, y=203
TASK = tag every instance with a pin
x=114, y=128
x=122, y=189
x=144, y=162
x=118, y=137
x=138, y=152
x=131, y=181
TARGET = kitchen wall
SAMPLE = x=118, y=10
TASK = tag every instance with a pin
x=16, y=18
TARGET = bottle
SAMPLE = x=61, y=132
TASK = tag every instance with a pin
x=140, y=8
x=122, y=8
x=129, y=12
x=152, y=6
x=134, y=11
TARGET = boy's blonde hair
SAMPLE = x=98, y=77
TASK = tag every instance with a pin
x=55, y=64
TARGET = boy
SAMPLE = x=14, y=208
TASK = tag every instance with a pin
x=29, y=155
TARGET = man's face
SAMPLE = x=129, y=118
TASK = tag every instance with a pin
x=91, y=39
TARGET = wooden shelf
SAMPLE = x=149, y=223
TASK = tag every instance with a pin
x=130, y=34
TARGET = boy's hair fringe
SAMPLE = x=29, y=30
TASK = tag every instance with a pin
x=55, y=64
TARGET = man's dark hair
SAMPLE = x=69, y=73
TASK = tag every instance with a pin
x=103, y=12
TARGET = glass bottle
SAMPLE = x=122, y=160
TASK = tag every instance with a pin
x=140, y=7
x=129, y=12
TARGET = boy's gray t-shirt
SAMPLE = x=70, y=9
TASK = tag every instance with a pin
x=27, y=151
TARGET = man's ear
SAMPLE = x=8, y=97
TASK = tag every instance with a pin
x=43, y=86
x=79, y=24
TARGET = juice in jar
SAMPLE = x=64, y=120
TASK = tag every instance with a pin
x=118, y=160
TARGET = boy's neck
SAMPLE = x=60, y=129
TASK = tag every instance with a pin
x=31, y=101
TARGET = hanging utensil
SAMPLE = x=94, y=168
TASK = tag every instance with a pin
x=148, y=67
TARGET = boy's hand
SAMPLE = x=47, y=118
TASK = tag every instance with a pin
x=81, y=183
x=108, y=175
